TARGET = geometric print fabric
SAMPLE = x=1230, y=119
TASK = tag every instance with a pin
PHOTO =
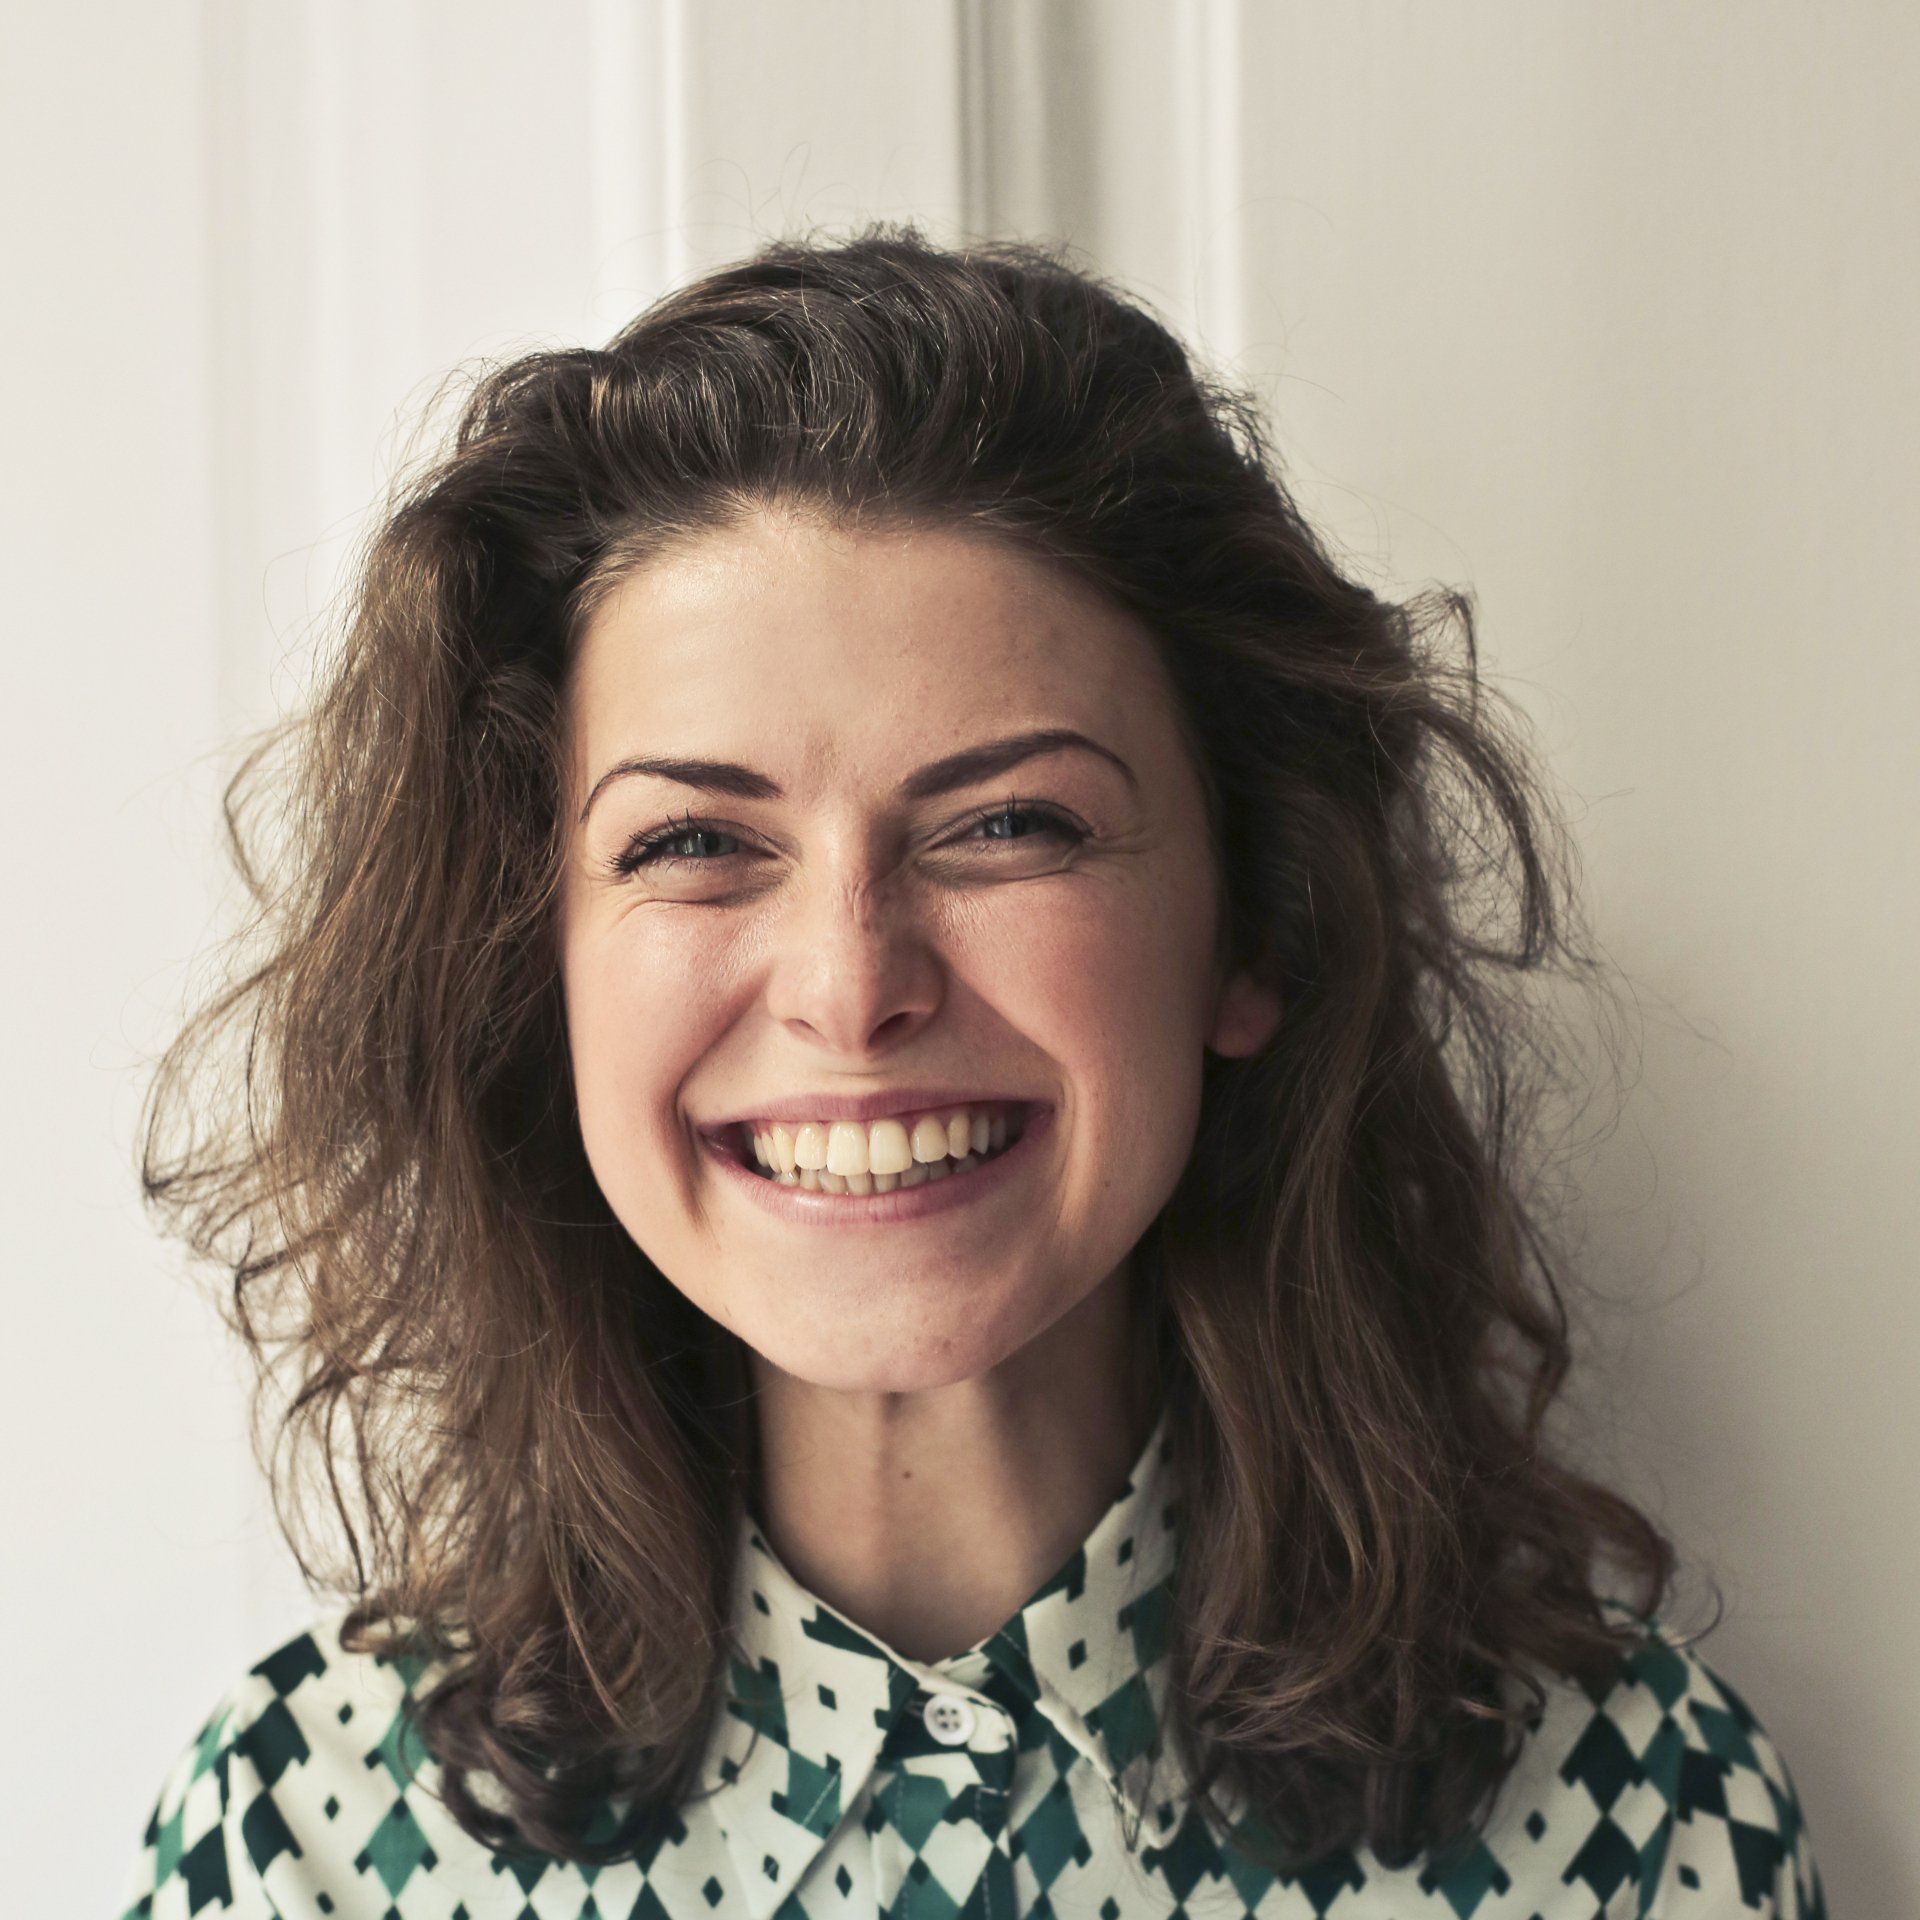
x=1022, y=1778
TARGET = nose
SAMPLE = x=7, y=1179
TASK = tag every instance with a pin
x=854, y=966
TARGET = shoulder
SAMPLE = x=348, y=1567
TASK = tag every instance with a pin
x=1661, y=1777
x=308, y=1732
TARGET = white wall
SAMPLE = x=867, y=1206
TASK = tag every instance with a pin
x=1605, y=310
x=1614, y=311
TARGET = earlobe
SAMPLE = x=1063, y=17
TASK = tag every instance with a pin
x=1246, y=1017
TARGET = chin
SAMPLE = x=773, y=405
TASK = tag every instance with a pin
x=861, y=1358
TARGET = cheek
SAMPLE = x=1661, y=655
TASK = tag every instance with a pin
x=634, y=1011
x=1113, y=986
x=1121, y=968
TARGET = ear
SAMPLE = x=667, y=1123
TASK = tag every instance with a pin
x=1246, y=1016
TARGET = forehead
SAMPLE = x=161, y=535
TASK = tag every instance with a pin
x=846, y=645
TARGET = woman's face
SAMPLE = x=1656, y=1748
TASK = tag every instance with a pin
x=837, y=931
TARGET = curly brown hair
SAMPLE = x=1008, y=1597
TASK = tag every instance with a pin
x=537, y=1448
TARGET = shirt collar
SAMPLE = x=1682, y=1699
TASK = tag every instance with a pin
x=1087, y=1650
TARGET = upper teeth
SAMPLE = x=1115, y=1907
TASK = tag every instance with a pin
x=847, y=1147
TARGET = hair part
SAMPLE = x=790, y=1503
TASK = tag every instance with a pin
x=535, y=1448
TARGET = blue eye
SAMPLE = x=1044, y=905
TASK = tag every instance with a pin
x=1053, y=825
x=649, y=850
x=652, y=849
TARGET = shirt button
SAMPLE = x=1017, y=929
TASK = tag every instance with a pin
x=949, y=1719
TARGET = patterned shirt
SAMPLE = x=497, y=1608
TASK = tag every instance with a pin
x=1016, y=1779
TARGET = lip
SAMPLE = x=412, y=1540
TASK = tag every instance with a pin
x=801, y=1208
x=867, y=1106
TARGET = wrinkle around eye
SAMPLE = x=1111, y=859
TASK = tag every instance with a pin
x=646, y=856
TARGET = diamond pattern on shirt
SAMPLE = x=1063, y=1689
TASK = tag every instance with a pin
x=306, y=1792
x=1072, y=1657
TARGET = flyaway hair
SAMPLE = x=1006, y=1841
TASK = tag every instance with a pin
x=534, y=1447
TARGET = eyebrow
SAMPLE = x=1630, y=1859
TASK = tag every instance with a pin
x=964, y=769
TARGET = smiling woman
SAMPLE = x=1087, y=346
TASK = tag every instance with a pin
x=882, y=1124
x=857, y=942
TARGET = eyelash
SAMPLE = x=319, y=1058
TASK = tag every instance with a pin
x=645, y=849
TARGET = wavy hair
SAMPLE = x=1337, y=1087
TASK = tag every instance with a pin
x=534, y=1447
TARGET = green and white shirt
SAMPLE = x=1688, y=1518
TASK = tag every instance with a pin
x=1016, y=1779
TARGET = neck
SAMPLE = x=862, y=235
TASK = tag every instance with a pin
x=930, y=1517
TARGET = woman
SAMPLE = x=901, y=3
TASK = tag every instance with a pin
x=883, y=1140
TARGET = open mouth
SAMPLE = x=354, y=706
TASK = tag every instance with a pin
x=977, y=1136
